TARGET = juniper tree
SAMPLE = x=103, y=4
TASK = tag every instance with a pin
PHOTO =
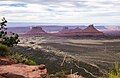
x=8, y=40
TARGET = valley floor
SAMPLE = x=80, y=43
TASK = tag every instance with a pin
x=97, y=53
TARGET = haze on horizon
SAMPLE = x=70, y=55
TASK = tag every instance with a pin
x=61, y=11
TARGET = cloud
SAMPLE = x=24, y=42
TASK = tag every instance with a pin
x=12, y=4
x=59, y=11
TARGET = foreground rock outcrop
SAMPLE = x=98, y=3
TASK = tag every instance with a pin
x=22, y=70
x=8, y=69
x=6, y=61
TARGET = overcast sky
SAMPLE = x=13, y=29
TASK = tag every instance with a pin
x=61, y=11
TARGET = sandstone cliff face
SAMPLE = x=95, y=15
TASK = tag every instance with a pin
x=36, y=31
x=66, y=32
x=69, y=32
x=89, y=31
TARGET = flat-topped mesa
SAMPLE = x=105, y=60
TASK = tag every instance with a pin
x=64, y=30
x=76, y=30
x=36, y=31
x=69, y=32
x=89, y=31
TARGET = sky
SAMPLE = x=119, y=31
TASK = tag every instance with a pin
x=61, y=11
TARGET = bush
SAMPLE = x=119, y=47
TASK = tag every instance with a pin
x=20, y=58
x=115, y=72
x=3, y=50
x=10, y=40
x=30, y=62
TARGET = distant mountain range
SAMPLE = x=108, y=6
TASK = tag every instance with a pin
x=22, y=28
x=49, y=28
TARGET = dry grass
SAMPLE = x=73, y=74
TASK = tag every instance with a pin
x=99, y=53
x=90, y=41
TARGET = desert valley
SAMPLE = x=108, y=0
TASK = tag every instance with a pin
x=88, y=52
x=59, y=38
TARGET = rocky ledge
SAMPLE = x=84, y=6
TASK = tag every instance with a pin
x=21, y=70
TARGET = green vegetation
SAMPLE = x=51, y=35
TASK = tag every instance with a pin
x=10, y=40
x=3, y=50
x=115, y=71
x=16, y=56
x=20, y=58
x=53, y=63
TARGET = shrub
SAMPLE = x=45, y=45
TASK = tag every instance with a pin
x=3, y=50
x=10, y=40
x=20, y=58
x=115, y=72
x=30, y=62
